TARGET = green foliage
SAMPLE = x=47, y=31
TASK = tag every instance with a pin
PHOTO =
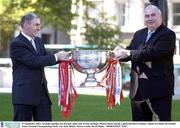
x=54, y=12
x=10, y=14
x=100, y=31
x=102, y=34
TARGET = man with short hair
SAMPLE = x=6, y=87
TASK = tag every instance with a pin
x=30, y=94
x=152, y=79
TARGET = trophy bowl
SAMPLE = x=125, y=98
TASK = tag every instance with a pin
x=90, y=62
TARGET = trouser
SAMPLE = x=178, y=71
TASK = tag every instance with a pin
x=158, y=109
x=41, y=112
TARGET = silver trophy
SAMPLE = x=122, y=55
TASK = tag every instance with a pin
x=90, y=62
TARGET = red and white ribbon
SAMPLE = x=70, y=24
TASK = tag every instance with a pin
x=67, y=93
x=112, y=82
x=118, y=83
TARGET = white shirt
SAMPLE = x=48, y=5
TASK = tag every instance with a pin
x=149, y=34
x=29, y=38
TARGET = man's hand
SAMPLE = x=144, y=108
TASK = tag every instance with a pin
x=62, y=55
x=117, y=49
x=121, y=53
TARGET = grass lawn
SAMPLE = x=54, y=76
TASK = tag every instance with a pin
x=87, y=108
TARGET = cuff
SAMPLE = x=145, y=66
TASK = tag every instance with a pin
x=128, y=52
x=56, y=57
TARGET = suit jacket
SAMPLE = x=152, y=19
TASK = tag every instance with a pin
x=152, y=63
x=28, y=70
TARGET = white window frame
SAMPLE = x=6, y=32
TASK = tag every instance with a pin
x=175, y=14
x=120, y=21
x=95, y=12
x=176, y=28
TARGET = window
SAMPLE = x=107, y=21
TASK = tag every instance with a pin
x=121, y=13
x=177, y=51
x=96, y=12
x=46, y=38
x=176, y=13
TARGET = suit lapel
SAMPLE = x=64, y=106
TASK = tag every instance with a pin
x=143, y=39
x=153, y=38
x=27, y=43
x=38, y=46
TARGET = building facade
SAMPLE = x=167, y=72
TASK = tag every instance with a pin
x=128, y=15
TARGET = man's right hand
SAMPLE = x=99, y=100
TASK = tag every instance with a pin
x=62, y=55
x=120, y=52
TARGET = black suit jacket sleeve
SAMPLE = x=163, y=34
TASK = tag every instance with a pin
x=161, y=45
x=22, y=51
x=153, y=62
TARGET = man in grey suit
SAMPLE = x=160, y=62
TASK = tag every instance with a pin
x=152, y=80
x=30, y=96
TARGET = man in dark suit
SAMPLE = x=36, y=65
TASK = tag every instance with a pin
x=152, y=78
x=30, y=95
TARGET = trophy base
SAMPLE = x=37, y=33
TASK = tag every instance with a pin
x=90, y=81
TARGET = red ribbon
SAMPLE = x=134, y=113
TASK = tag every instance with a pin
x=67, y=93
x=108, y=81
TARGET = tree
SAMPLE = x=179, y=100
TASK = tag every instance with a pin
x=100, y=32
x=8, y=23
x=54, y=12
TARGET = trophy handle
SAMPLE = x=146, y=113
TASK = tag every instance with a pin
x=90, y=62
x=111, y=53
x=69, y=54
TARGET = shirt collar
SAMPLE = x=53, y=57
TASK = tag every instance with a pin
x=28, y=37
x=151, y=31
